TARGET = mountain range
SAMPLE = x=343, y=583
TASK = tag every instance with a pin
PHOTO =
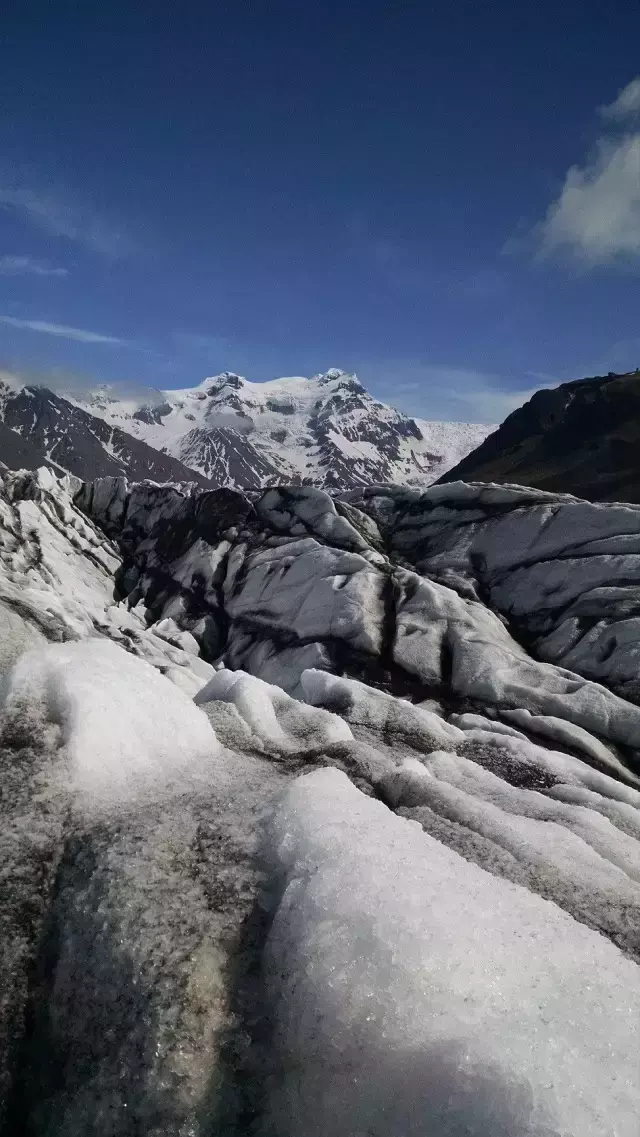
x=326, y=431
x=581, y=437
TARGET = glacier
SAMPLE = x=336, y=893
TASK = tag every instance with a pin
x=320, y=813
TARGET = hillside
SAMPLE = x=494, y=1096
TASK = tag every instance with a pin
x=581, y=438
x=42, y=428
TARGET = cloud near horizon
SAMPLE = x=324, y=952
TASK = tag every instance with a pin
x=75, y=385
x=28, y=266
x=442, y=392
x=596, y=218
x=80, y=335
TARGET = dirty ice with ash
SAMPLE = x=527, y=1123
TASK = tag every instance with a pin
x=320, y=815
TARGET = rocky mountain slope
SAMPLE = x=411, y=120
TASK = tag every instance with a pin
x=581, y=438
x=327, y=431
x=18, y=453
x=39, y=427
x=319, y=815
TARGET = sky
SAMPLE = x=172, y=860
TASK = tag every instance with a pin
x=443, y=197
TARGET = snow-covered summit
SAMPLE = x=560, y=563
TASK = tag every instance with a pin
x=327, y=430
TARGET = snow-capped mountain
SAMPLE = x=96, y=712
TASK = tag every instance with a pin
x=326, y=431
x=319, y=814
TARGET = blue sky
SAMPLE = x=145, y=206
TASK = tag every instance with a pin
x=442, y=196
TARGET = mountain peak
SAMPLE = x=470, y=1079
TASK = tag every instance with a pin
x=216, y=383
x=327, y=431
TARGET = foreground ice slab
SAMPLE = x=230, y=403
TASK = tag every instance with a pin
x=171, y=661
x=128, y=878
x=414, y=993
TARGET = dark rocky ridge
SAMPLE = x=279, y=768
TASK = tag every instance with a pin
x=41, y=428
x=581, y=438
x=18, y=453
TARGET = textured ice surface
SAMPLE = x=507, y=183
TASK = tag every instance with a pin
x=128, y=881
x=274, y=719
x=57, y=578
x=363, y=705
x=414, y=993
x=127, y=730
x=292, y=577
x=423, y=978
x=565, y=571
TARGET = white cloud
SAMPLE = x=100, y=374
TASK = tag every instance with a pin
x=78, y=334
x=74, y=385
x=596, y=218
x=61, y=215
x=28, y=266
x=597, y=215
x=627, y=105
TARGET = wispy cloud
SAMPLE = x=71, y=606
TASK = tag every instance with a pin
x=28, y=266
x=73, y=384
x=443, y=391
x=80, y=335
x=62, y=215
x=596, y=218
